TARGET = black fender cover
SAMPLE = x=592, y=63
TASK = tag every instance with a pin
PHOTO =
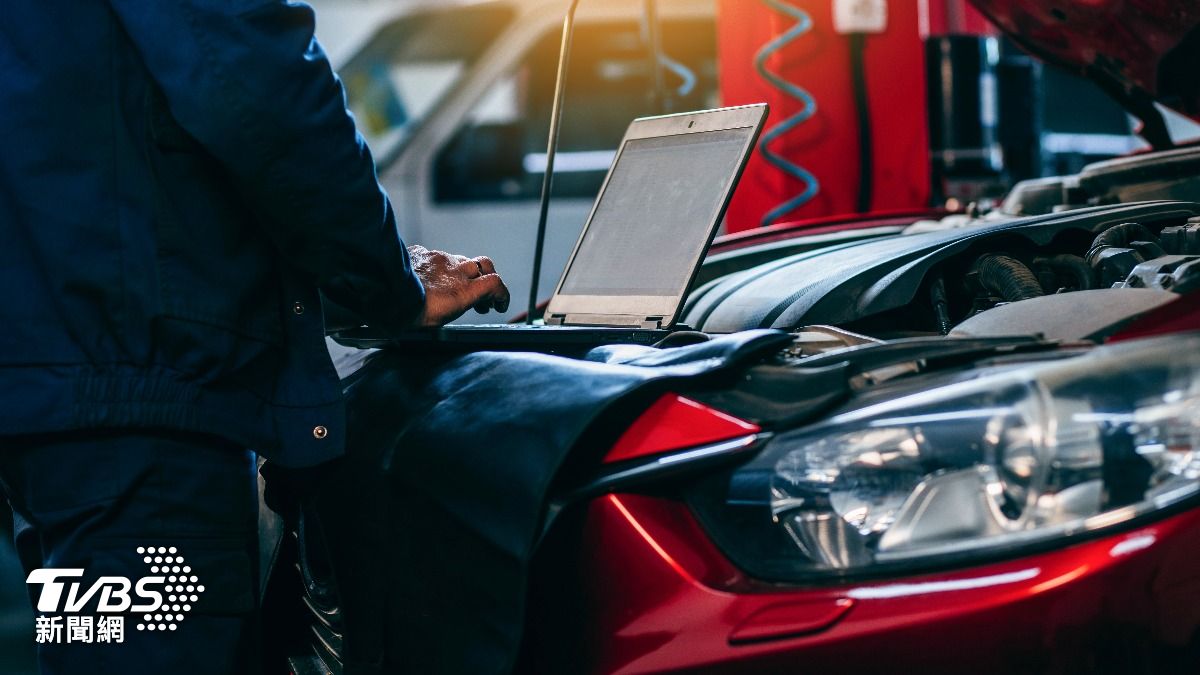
x=433, y=516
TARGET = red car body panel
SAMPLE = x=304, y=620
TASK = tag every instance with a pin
x=658, y=596
x=653, y=593
x=673, y=423
x=1176, y=317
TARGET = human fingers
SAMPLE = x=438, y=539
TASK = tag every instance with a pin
x=488, y=292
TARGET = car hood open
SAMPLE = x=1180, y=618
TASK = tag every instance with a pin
x=1139, y=50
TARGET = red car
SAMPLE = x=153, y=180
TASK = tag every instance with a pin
x=979, y=452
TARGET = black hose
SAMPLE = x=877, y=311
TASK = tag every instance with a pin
x=1121, y=236
x=1070, y=266
x=1008, y=278
x=866, y=154
x=941, y=305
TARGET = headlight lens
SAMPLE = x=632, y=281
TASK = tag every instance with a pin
x=1021, y=457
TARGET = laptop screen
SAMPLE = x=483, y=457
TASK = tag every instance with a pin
x=652, y=222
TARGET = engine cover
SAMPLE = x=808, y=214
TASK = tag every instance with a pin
x=1085, y=315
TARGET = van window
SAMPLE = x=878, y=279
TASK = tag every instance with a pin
x=410, y=64
x=499, y=153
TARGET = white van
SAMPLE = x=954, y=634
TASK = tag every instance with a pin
x=454, y=99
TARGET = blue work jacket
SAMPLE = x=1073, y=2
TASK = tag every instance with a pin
x=180, y=181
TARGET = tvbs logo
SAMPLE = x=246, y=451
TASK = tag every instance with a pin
x=162, y=599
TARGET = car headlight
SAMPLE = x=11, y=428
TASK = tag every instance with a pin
x=1023, y=456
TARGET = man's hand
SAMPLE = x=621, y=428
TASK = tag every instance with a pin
x=454, y=284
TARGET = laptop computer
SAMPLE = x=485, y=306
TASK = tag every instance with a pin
x=658, y=210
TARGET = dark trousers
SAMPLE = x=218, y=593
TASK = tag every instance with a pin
x=92, y=500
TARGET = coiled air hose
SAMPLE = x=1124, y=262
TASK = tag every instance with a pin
x=803, y=25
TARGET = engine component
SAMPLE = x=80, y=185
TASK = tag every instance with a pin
x=1086, y=315
x=1179, y=273
x=1182, y=239
x=1166, y=175
x=941, y=305
x=1118, y=250
x=1122, y=235
x=1171, y=174
x=1007, y=278
x=813, y=340
x=1064, y=273
x=1114, y=265
x=1035, y=196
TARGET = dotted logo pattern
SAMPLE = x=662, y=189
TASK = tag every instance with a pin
x=182, y=590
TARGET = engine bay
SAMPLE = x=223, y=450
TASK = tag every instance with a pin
x=1068, y=258
x=1026, y=283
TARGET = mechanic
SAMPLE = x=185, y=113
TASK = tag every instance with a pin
x=179, y=185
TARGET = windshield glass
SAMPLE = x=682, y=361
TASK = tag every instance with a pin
x=410, y=64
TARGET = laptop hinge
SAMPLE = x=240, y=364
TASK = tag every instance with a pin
x=652, y=322
x=611, y=320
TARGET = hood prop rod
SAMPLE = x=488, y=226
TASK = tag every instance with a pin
x=560, y=86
